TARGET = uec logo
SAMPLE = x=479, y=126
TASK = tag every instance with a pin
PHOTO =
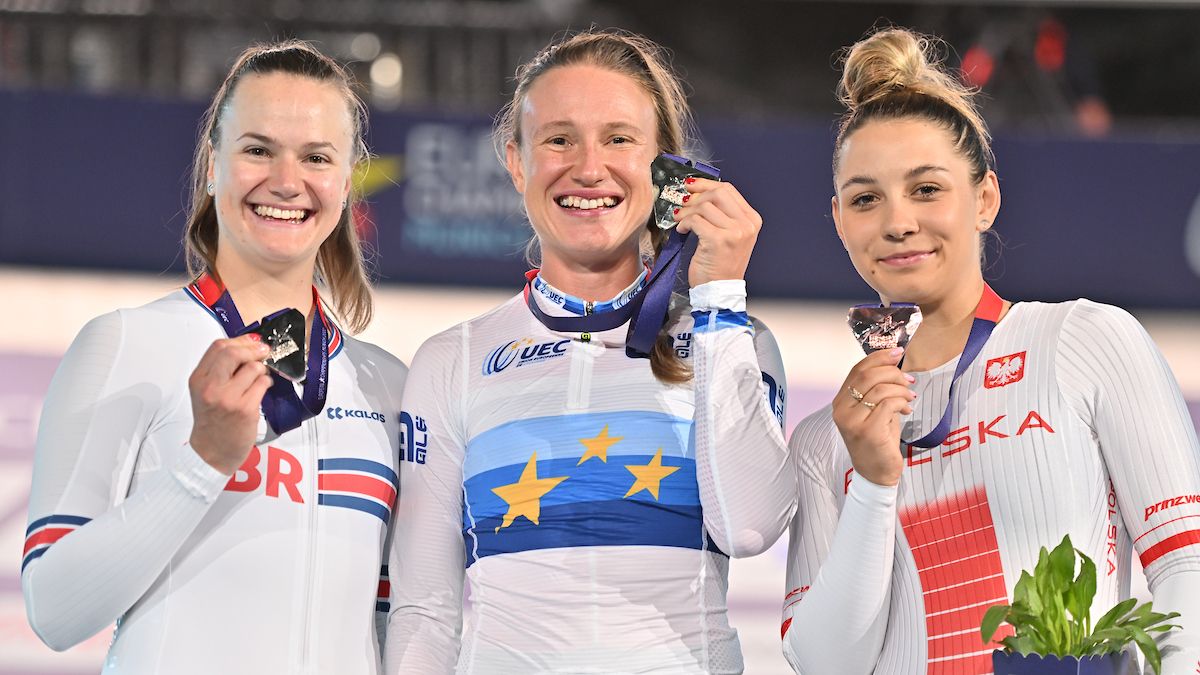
x=522, y=352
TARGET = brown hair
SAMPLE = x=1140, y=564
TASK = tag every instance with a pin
x=898, y=73
x=647, y=64
x=340, y=265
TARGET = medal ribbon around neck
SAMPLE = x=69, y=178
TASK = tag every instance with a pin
x=281, y=406
x=987, y=315
x=648, y=308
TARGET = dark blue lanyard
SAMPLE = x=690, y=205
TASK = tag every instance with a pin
x=281, y=406
x=987, y=314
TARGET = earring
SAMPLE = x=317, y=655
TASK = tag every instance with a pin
x=343, y=204
x=211, y=189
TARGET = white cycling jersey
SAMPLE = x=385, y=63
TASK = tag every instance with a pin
x=590, y=506
x=1068, y=422
x=275, y=570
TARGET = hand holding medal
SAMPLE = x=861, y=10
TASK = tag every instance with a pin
x=227, y=388
x=867, y=408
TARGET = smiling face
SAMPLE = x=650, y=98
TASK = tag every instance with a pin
x=588, y=136
x=281, y=169
x=908, y=212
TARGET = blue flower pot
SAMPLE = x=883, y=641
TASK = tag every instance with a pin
x=1005, y=663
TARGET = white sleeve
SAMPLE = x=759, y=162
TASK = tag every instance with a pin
x=839, y=569
x=427, y=555
x=747, y=480
x=1117, y=381
x=89, y=552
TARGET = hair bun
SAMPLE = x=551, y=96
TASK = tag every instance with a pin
x=886, y=62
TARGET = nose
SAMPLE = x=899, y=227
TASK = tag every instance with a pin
x=591, y=166
x=286, y=182
x=899, y=221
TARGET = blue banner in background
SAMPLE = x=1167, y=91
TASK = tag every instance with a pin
x=102, y=183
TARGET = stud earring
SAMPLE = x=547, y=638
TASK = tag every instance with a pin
x=211, y=189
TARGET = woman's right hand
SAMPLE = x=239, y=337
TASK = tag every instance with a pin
x=227, y=388
x=867, y=412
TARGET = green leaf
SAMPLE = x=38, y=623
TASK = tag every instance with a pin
x=991, y=621
x=1117, y=612
x=1149, y=648
x=1083, y=591
x=1026, y=593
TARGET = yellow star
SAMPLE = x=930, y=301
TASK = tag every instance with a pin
x=524, y=497
x=598, y=446
x=649, y=475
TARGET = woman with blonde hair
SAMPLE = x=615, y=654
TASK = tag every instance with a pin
x=554, y=468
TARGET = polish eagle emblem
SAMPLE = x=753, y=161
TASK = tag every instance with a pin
x=1004, y=370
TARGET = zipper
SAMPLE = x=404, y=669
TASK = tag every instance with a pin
x=311, y=554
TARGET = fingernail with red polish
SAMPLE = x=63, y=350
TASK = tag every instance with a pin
x=686, y=198
x=689, y=180
x=255, y=337
x=675, y=212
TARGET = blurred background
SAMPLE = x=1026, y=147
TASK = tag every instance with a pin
x=1095, y=105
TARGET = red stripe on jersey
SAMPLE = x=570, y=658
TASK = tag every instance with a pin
x=385, y=588
x=953, y=542
x=363, y=485
x=1169, y=544
x=46, y=536
x=1190, y=515
x=787, y=623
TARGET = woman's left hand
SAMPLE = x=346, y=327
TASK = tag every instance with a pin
x=726, y=226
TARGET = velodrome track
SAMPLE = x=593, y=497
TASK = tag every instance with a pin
x=44, y=310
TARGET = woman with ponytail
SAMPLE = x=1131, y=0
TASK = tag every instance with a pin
x=550, y=464
x=940, y=469
x=231, y=520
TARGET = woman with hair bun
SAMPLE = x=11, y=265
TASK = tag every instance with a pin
x=939, y=470
x=227, y=521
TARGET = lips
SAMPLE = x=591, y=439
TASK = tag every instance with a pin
x=906, y=258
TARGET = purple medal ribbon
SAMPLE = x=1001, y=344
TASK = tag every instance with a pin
x=987, y=315
x=283, y=409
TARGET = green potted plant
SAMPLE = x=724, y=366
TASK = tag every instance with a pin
x=1051, y=617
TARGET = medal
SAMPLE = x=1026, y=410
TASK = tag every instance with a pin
x=877, y=327
x=283, y=333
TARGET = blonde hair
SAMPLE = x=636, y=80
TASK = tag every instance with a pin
x=340, y=264
x=647, y=64
x=898, y=73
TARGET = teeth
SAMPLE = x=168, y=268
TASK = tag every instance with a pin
x=575, y=202
x=280, y=214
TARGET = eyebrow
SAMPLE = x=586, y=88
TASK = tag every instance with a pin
x=564, y=124
x=908, y=175
x=267, y=140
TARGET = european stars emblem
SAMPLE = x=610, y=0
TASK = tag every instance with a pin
x=649, y=475
x=524, y=497
x=598, y=446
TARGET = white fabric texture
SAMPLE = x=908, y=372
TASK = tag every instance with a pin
x=562, y=476
x=277, y=569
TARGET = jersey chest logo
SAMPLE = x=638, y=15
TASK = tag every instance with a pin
x=1004, y=370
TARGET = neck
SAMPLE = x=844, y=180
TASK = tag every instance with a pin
x=592, y=283
x=257, y=293
x=945, y=324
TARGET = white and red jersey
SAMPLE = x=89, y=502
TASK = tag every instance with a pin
x=275, y=570
x=592, y=508
x=1068, y=422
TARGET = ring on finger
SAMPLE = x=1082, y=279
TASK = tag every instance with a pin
x=869, y=404
x=855, y=394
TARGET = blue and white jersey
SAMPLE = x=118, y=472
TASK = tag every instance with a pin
x=277, y=569
x=591, y=507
